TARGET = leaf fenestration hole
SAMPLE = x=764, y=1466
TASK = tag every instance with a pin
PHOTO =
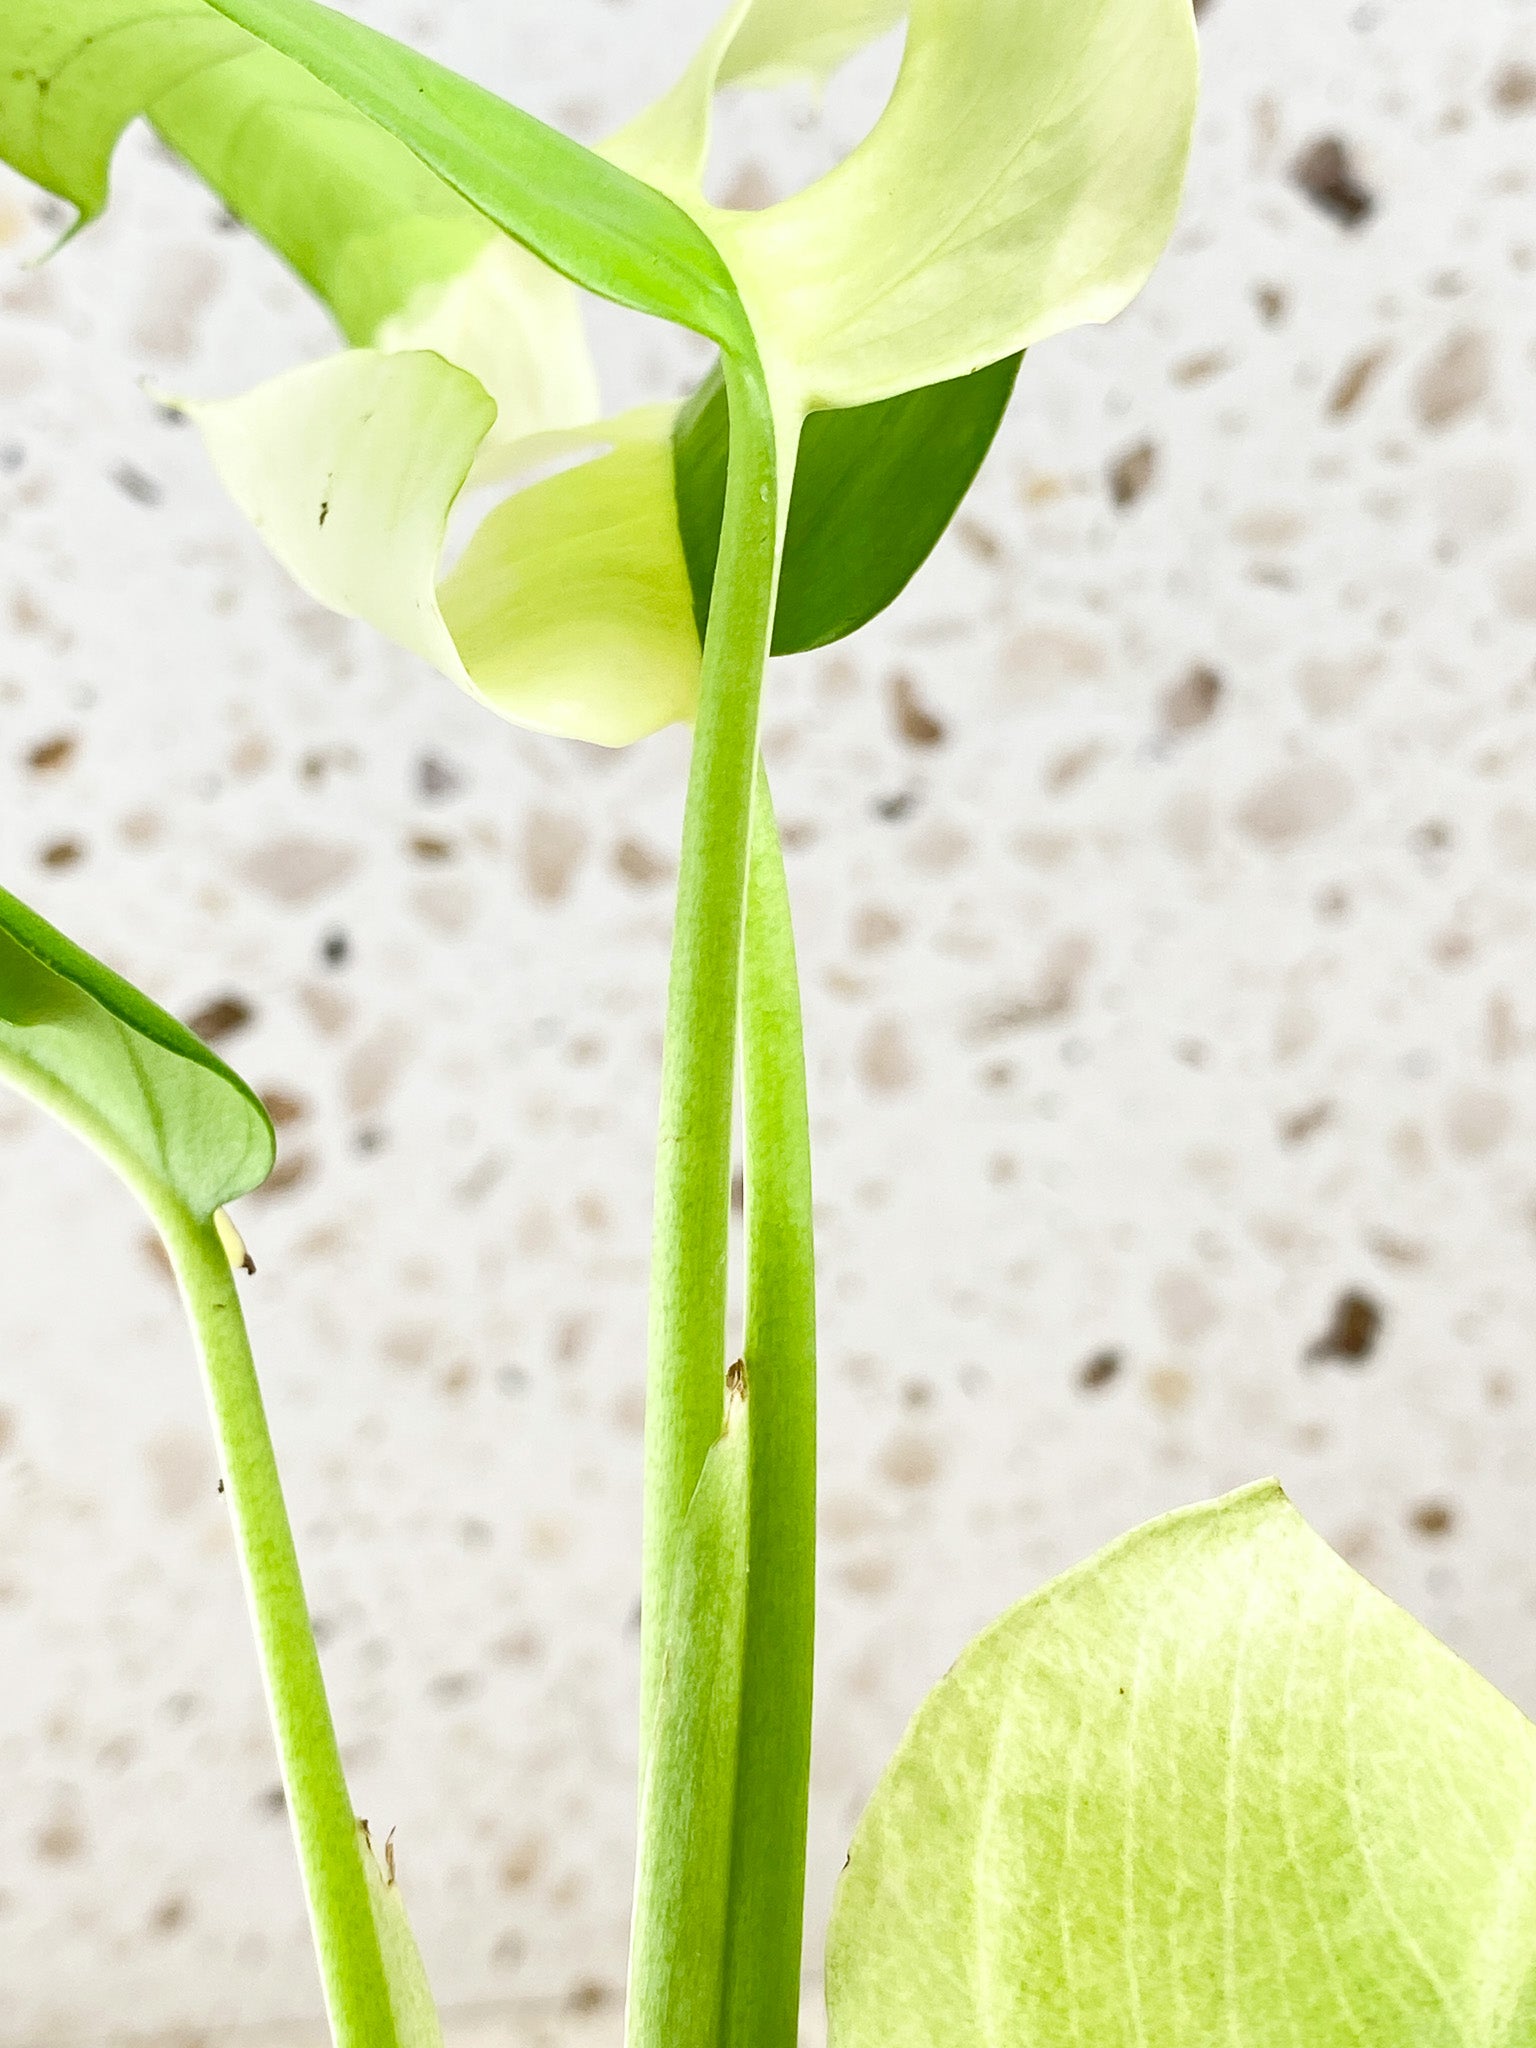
x=797, y=125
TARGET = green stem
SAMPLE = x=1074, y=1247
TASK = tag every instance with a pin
x=761, y=1999
x=324, y=1826
x=684, y=1397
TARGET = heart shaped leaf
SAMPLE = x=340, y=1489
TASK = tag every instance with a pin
x=1209, y=1787
x=184, y=1131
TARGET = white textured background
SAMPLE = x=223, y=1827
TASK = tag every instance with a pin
x=1165, y=873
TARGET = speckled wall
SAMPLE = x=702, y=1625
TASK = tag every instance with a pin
x=1165, y=864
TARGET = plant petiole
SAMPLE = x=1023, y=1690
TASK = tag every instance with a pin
x=319, y=1805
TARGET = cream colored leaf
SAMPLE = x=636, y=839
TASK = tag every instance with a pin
x=571, y=606
x=349, y=468
x=514, y=324
x=1023, y=178
x=570, y=610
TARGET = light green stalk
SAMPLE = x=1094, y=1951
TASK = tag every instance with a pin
x=729, y=1594
x=761, y=1994
x=720, y=1884
x=684, y=1397
x=320, y=1808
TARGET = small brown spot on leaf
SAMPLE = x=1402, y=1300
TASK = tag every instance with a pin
x=1325, y=172
x=1432, y=1518
x=1352, y=1332
x=62, y=853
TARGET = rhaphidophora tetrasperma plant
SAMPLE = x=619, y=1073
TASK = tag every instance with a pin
x=1208, y=1788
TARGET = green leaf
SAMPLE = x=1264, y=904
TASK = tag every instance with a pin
x=584, y=216
x=183, y=1130
x=351, y=209
x=410, y=1995
x=875, y=487
x=400, y=259
x=1210, y=1787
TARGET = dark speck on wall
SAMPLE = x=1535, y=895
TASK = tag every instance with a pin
x=1352, y=1332
x=917, y=725
x=894, y=808
x=1099, y=1370
x=1132, y=474
x=52, y=754
x=220, y=1018
x=1325, y=171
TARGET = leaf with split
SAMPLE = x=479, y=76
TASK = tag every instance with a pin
x=406, y=263
x=1022, y=179
x=755, y=44
x=1211, y=1786
x=399, y=258
x=179, y=1126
